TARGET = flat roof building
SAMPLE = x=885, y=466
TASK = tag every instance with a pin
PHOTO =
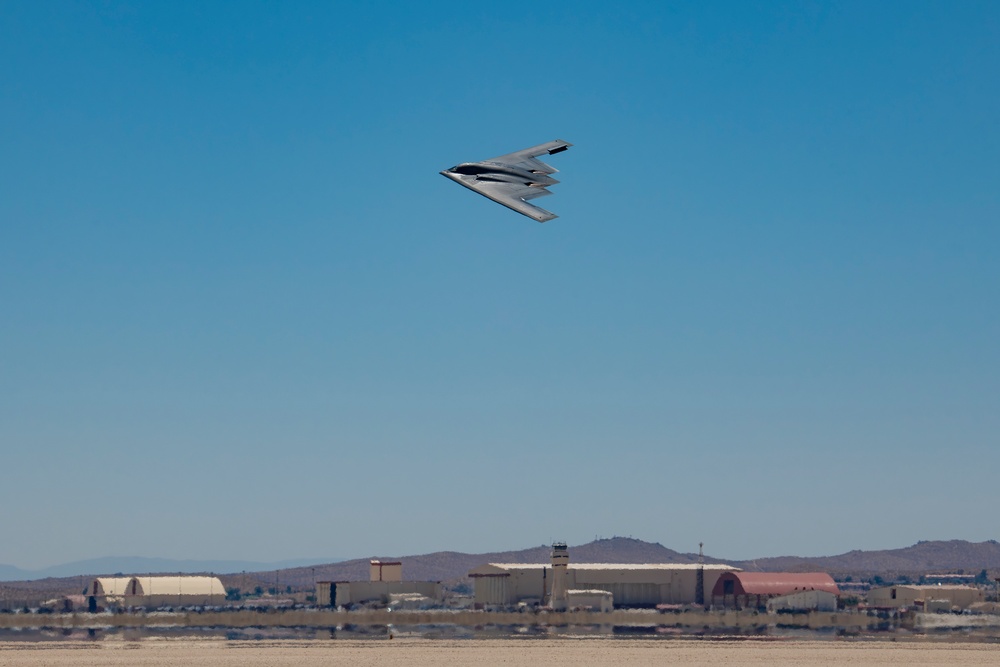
x=385, y=583
x=912, y=595
x=384, y=570
x=631, y=585
x=344, y=593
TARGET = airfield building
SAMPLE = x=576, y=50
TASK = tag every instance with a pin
x=803, y=601
x=929, y=597
x=105, y=592
x=384, y=570
x=561, y=583
x=754, y=589
x=150, y=592
x=385, y=586
x=182, y=591
x=594, y=600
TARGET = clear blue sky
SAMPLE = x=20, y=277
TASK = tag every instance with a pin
x=244, y=317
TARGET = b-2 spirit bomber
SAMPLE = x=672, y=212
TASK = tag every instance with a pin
x=512, y=179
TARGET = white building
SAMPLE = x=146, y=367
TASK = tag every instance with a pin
x=594, y=600
x=150, y=591
x=814, y=600
x=181, y=591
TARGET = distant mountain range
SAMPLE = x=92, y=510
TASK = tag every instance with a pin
x=925, y=557
x=140, y=565
x=454, y=565
x=920, y=558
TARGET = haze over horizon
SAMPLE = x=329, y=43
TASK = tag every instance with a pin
x=244, y=317
x=141, y=564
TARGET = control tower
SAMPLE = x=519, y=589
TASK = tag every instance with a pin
x=560, y=562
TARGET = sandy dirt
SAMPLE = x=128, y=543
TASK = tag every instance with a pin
x=549, y=652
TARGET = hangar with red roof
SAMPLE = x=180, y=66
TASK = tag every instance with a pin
x=754, y=589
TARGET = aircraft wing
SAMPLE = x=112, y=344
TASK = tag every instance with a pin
x=512, y=195
x=526, y=158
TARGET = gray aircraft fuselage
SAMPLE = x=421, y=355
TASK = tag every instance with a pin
x=502, y=173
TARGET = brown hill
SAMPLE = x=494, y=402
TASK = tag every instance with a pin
x=453, y=565
x=924, y=557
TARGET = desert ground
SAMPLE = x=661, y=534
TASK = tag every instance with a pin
x=412, y=652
